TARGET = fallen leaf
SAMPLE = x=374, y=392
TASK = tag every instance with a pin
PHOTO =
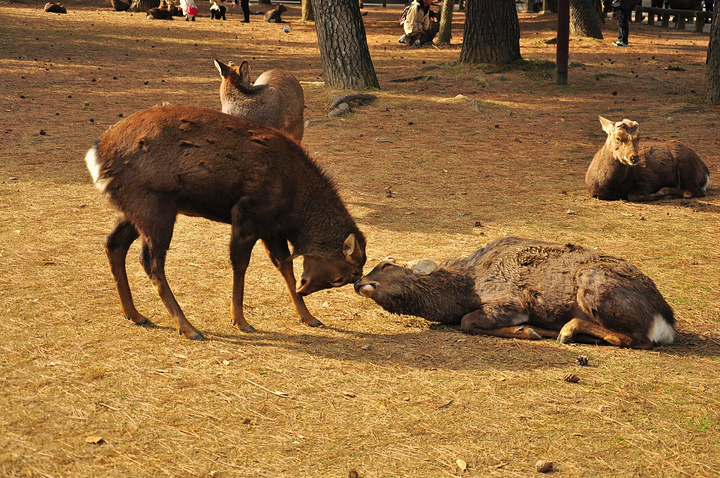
x=94, y=440
x=461, y=464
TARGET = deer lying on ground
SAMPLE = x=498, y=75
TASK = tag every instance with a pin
x=52, y=7
x=275, y=100
x=522, y=288
x=166, y=11
x=168, y=160
x=623, y=170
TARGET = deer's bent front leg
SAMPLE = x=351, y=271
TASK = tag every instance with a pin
x=279, y=253
x=502, y=321
x=242, y=240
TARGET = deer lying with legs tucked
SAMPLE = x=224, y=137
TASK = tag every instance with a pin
x=623, y=170
x=522, y=288
x=275, y=100
x=163, y=161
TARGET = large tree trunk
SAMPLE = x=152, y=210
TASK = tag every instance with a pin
x=713, y=60
x=492, y=32
x=307, y=11
x=584, y=21
x=445, y=33
x=343, y=45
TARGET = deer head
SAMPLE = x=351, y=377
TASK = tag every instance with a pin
x=623, y=138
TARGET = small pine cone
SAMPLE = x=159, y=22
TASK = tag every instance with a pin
x=544, y=466
x=582, y=360
x=571, y=377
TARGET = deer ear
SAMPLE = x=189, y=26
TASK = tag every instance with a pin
x=352, y=251
x=222, y=68
x=423, y=267
x=244, y=72
x=607, y=125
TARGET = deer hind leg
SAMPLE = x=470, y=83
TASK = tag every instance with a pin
x=480, y=323
x=580, y=326
x=279, y=254
x=116, y=248
x=156, y=231
x=662, y=193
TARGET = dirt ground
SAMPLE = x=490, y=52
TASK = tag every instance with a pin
x=435, y=167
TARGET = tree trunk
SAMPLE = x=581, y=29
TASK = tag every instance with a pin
x=584, y=21
x=492, y=32
x=343, y=45
x=307, y=11
x=143, y=5
x=445, y=33
x=713, y=60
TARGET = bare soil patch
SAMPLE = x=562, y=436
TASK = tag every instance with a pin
x=434, y=167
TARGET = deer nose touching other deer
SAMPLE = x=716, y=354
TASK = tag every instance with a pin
x=623, y=169
x=163, y=161
x=522, y=288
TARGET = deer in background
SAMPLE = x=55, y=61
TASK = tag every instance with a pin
x=276, y=99
x=162, y=161
x=527, y=289
x=624, y=170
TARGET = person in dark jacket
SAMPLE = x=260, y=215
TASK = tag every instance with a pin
x=623, y=9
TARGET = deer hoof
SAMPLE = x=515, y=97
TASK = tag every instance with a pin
x=248, y=328
x=312, y=322
x=197, y=335
x=563, y=337
x=531, y=333
x=144, y=321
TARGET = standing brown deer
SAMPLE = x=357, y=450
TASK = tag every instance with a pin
x=275, y=100
x=163, y=161
x=527, y=289
x=624, y=170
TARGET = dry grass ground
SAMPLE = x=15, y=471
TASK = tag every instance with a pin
x=426, y=173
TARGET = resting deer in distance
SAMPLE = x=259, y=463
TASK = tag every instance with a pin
x=162, y=161
x=624, y=170
x=275, y=100
x=527, y=289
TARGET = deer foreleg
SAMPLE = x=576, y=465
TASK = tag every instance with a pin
x=502, y=324
x=279, y=254
x=580, y=326
x=116, y=248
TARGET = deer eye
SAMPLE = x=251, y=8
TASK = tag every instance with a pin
x=618, y=139
x=338, y=281
x=385, y=266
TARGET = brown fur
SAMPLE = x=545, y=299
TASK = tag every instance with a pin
x=168, y=160
x=120, y=5
x=624, y=170
x=51, y=7
x=276, y=99
x=274, y=15
x=523, y=288
x=166, y=11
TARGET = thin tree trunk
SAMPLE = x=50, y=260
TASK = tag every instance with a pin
x=713, y=60
x=492, y=32
x=343, y=45
x=307, y=11
x=445, y=33
x=584, y=21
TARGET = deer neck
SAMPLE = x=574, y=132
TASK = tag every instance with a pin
x=606, y=171
x=443, y=296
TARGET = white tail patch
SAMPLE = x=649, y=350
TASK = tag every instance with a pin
x=707, y=183
x=661, y=332
x=93, y=164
